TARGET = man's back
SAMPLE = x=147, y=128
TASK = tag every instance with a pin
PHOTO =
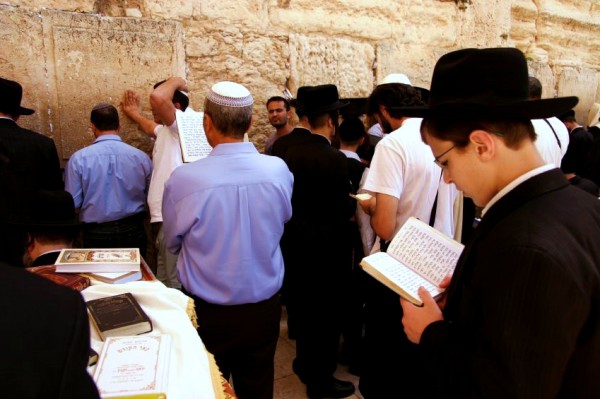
x=108, y=180
x=296, y=136
x=552, y=139
x=403, y=167
x=227, y=212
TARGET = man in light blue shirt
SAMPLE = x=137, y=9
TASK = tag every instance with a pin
x=109, y=184
x=224, y=214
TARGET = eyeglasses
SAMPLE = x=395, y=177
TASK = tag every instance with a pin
x=437, y=159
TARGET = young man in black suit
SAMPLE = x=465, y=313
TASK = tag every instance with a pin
x=313, y=244
x=28, y=162
x=521, y=315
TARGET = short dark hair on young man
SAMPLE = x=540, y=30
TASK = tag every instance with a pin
x=230, y=121
x=105, y=117
x=319, y=120
x=458, y=130
x=285, y=101
x=393, y=95
x=178, y=97
x=535, y=88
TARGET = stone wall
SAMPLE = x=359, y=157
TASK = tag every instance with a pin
x=72, y=54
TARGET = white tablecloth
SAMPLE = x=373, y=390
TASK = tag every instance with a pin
x=189, y=373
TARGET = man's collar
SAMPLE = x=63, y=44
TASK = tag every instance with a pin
x=105, y=137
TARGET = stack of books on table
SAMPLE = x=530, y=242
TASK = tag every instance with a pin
x=113, y=266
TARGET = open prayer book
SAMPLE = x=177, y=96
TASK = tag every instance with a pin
x=418, y=255
x=194, y=144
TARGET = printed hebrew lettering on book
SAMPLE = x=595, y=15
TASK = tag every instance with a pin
x=418, y=256
x=133, y=366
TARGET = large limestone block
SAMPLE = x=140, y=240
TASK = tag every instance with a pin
x=64, y=5
x=484, y=23
x=171, y=9
x=258, y=60
x=580, y=82
x=22, y=59
x=324, y=59
x=92, y=59
x=407, y=21
x=247, y=12
x=416, y=62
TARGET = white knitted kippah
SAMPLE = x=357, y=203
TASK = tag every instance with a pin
x=230, y=94
x=396, y=78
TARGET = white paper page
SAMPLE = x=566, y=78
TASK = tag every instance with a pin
x=401, y=275
x=429, y=252
x=194, y=144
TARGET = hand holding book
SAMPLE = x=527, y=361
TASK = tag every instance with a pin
x=416, y=318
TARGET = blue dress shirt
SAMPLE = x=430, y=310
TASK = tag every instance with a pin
x=108, y=180
x=224, y=214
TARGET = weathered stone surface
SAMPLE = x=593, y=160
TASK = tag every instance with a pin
x=67, y=62
x=22, y=58
x=577, y=82
x=321, y=59
x=171, y=9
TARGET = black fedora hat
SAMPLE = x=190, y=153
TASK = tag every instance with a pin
x=315, y=100
x=356, y=106
x=489, y=83
x=11, y=94
x=50, y=208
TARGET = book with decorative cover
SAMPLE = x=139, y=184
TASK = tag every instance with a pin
x=130, y=366
x=418, y=255
x=112, y=260
x=73, y=281
x=118, y=315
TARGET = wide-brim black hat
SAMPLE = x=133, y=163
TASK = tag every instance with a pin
x=49, y=208
x=315, y=100
x=11, y=94
x=487, y=83
x=356, y=106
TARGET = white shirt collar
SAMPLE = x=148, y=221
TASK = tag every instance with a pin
x=350, y=154
x=510, y=186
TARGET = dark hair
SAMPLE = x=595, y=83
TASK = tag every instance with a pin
x=105, y=117
x=351, y=130
x=514, y=132
x=319, y=120
x=285, y=101
x=393, y=95
x=535, y=88
x=178, y=97
x=229, y=121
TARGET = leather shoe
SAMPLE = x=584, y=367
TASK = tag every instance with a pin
x=333, y=389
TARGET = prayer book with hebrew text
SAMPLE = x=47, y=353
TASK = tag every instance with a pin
x=418, y=255
x=194, y=144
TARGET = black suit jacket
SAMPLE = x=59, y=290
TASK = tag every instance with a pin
x=28, y=162
x=522, y=317
x=312, y=242
x=45, y=339
x=296, y=136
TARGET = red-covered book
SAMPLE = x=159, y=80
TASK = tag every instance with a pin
x=73, y=281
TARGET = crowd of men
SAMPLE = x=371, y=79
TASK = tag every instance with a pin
x=481, y=157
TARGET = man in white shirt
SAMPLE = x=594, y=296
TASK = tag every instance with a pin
x=168, y=97
x=552, y=135
x=404, y=181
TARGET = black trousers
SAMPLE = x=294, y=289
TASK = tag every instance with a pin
x=128, y=232
x=243, y=339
